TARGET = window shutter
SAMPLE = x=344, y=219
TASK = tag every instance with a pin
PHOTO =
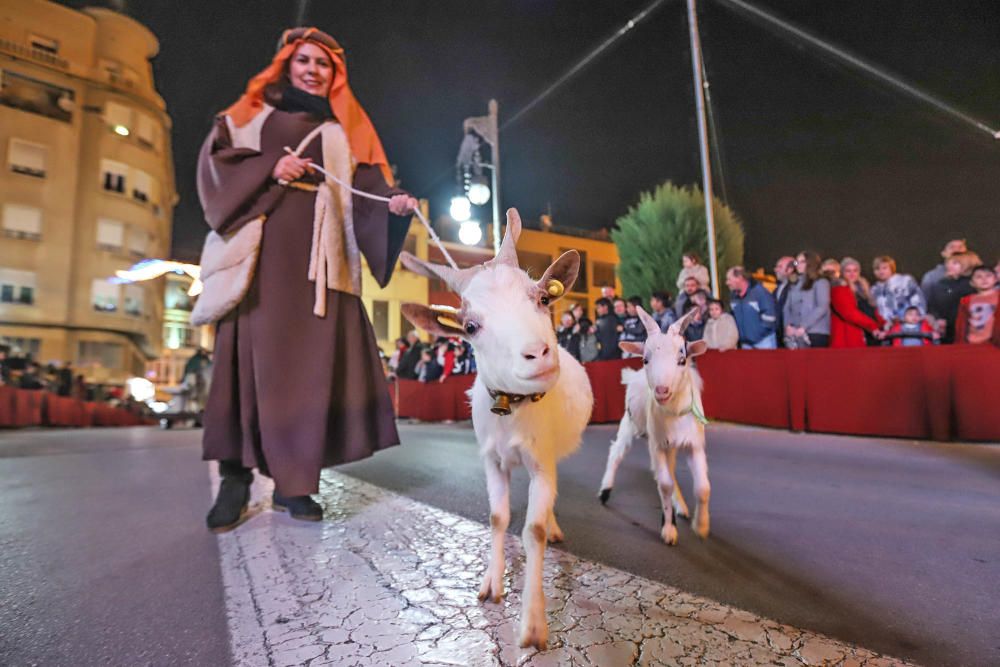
x=146, y=130
x=110, y=233
x=118, y=114
x=22, y=221
x=26, y=158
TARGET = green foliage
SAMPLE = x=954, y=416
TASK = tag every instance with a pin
x=654, y=235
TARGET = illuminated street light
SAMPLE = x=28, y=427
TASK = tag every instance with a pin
x=461, y=208
x=121, y=130
x=141, y=389
x=470, y=233
x=479, y=191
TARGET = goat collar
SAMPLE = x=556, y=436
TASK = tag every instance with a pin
x=502, y=401
x=693, y=409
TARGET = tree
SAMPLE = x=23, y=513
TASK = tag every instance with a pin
x=654, y=235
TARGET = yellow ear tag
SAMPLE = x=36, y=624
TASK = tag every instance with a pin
x=556, y=288
x=447, y=316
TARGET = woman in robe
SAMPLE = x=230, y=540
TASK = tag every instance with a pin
x=297, y=383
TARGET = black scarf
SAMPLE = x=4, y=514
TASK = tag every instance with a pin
x=294, y=100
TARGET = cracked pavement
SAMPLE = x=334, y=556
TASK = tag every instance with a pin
x=386, y=580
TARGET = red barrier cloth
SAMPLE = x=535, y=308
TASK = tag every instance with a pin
x=28, y=407
x=7, y=407
x=747, y=387
x=63, y=411
x=975, y=387
x=609, y=392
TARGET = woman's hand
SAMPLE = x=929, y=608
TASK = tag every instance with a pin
x=291, y=168
x=403, y=204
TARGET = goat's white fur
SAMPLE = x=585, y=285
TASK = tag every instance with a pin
x=668, y=424
x=536, y=435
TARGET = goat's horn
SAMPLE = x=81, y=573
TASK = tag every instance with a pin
x=508, y=253
x=647, y=321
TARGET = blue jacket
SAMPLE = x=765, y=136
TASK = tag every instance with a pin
x=756, y=313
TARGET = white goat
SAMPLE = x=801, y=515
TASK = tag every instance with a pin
x=664, y=404
x=530, y=402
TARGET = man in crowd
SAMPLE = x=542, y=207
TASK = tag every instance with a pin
x=691, y=287
x=607, y=331
x=784, y=271
x=662, y=313
x=407, y=368
x=754, y=309
x=931, y=278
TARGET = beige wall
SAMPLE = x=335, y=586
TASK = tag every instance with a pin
x=101, y=57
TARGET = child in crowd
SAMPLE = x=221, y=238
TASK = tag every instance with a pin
x=913, y=330
x=720, y=329
x=692, y=268
x=977, y=313
x=428, y=369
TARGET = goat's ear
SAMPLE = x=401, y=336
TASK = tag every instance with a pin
x=632, y=347
x=561, y=274
x=435, y=320
x=697, y=348
x=681, y=325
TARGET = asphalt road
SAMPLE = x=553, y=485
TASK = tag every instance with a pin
x=891, y=544
x=894, y=545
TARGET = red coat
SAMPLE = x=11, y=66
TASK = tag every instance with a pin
x=847, y=323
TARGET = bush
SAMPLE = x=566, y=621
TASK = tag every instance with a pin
x=654, y=235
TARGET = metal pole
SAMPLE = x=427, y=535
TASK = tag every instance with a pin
x=706, y=168
x=495, y=146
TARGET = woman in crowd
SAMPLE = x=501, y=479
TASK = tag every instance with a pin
x=589, y=349
x=568, y=334
x=850, y=325
x=806, y=314
x=290, y=406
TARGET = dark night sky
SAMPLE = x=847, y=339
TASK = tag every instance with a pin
x=815, y=156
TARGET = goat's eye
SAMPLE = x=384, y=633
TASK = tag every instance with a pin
x=546, y=299
x=681, y=360
x=645, y=360
x=471, y=328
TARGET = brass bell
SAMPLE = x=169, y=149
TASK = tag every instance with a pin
x=501, y=405
x=556, y=288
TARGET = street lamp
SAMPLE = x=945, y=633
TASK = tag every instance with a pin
x=479, y=191
x=461, y=208
x=470, y=233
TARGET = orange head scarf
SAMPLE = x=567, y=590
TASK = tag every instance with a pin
x=361, y=135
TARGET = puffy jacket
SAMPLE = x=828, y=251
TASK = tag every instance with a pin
x=847, y=323
x=756, y=313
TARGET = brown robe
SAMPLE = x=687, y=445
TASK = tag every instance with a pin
x=293, y=393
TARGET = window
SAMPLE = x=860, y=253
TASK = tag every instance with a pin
x=17, y=287
x=134, y=299
x=380, y=319
x=113, y=176
x=108, y=355
x=138, y=242
x=405, y=325
x=580, y=286
x=534, y=263
x=110, y=235
x=119, y=118
x=142, y=186
x=26, y=158
x=44, y=44
x=178, y=335
x=22, y=222
x=604, y=274
x=104, y=295
x=23, y=346
x=145, y=130
x=177, y=296
x=21, y=92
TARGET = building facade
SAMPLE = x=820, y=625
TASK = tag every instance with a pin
x=86, y=187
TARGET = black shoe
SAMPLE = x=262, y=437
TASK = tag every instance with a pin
x=300, y=507
x=230, y=508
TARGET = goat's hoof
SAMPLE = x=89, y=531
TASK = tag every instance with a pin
x=534, y=634
x=669, y=534
x=604, y=495
x=556, y=536
x=491, y=589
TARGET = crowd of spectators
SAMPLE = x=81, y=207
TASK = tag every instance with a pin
x=413, y=359
x=813, y=303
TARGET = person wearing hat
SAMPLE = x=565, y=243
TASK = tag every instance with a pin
x=297, y=383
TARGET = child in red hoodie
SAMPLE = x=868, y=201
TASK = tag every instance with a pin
x=977, y=313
